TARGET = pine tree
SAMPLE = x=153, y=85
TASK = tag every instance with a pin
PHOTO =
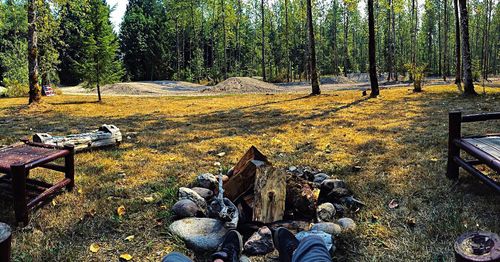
x=100, y=64
x=70, y=47
x=142, y=39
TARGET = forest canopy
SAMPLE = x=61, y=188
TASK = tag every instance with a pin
x=209, y=40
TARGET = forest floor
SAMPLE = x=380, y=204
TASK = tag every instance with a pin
x=398, y=139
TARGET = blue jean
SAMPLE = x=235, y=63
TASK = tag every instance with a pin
x=310, y=249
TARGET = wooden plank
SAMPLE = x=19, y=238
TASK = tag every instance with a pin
x=47, y=193
x=488, y=144
x=270, y=195
x=252, y=154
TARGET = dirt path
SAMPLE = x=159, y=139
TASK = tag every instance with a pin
x=241, y=85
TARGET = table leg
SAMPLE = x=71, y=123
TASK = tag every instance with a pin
x=69, y=165
x=19, y=175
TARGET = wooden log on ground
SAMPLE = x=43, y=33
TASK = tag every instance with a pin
x=107, y=135
x=5, y=240
x=270, y=194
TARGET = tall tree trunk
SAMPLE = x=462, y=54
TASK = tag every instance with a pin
x=371, y=51
x=334, y=40
x=35, y=93
x=287, y=45
x=445, y=51
x=177, y=45
x=390, y=54
x=440, y=49
x=393, y=46
x=346, y=49
x=458, y=66
x=486, y=39
x=312, y=51
x=414, y=21
x=263, y=41
x=225, y=67
x=466, y=56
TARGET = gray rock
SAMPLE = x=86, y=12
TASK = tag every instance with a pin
x=320, y=177
x=207, y=194
x=186, y=208
x=328, y=227
x=347, y=224
x=325, y=236
x=292, y=169
x=260, y=243
x=200, y=234
x=326, y=212
x=337, y=194
x=244, y=258
x=332, y=183
x=186, y=193
x=207, y=180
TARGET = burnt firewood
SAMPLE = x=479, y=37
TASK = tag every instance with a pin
x=301, y=199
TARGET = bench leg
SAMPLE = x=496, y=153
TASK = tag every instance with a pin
x=455, y=119
x=19, y=175
x=69, y=165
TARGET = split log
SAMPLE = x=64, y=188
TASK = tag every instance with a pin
x=252, y=154
x=5, y=239
x=270, y=195
x=107, y=135
x=243, y=181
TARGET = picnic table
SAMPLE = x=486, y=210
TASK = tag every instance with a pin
x=483, y=149
x=17, y=160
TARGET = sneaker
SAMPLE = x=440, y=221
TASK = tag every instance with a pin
x=230, y=248
x=286, y=243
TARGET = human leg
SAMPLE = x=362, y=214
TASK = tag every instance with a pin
x=176, y=257
x=311, y=248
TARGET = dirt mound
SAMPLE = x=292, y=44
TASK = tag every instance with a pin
x=240, y=85
x=336, y=80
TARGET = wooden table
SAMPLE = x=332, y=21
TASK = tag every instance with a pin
x=16, y=161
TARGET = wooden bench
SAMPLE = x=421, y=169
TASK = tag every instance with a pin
x=484, y=149
x=16, y=161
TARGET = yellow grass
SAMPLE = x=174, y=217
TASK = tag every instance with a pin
x=399, y=140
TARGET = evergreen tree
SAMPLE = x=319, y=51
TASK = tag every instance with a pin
x=143, y=42
x=70, y=46
x=13, y=44
x=100, y=64
x=48, y=37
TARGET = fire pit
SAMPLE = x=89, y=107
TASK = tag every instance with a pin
x=256, y=198
x=478, y=246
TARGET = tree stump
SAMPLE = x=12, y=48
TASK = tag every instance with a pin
x=270, y=195
x=5, y=239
